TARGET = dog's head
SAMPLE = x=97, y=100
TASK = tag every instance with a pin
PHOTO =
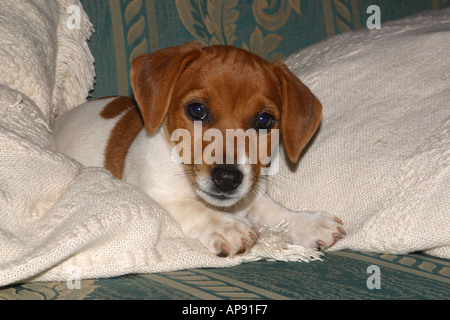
x=220, y=95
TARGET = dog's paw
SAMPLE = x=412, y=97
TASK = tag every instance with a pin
x=316, y=229
x=228, y=237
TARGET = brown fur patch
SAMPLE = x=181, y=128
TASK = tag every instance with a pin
x=117, y=107
x=123, y=134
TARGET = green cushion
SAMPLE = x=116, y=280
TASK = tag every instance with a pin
x=272, y=29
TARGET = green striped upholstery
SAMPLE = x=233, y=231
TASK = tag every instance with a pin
x=342, y=275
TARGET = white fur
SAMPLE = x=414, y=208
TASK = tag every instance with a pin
x=83, y=134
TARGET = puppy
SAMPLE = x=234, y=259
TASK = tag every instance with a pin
x=167, y=141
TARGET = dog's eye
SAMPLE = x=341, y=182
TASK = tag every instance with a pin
x=197, y=111
x=264, y=121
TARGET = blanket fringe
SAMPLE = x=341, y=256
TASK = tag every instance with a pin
x=75, y=73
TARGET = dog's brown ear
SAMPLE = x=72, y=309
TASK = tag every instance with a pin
x=153, y=79
x=301, y=112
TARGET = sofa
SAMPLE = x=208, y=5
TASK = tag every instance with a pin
x=364, y=165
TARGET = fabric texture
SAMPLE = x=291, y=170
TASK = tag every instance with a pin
x=381, y=159
x=272, y=29
x=59, y=220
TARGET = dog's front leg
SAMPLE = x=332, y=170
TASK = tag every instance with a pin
x=309, y=229
x=222, y=233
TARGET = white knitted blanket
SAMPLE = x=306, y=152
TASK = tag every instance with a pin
x=380, y=161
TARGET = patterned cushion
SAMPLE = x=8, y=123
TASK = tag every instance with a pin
x=273, y=29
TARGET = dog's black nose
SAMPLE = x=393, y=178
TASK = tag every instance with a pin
x=227, y=178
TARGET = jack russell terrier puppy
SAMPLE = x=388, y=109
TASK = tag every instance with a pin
x=220, y=198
